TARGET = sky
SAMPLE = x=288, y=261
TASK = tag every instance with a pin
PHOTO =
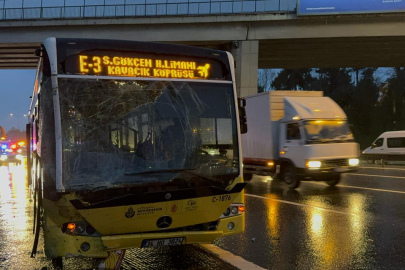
x=15, y=89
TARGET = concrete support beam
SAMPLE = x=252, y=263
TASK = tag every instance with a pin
x=246, y=54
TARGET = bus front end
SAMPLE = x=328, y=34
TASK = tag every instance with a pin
x=140, y=147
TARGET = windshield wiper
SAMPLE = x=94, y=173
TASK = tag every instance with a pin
x=189, y=171
x=161, y=171
x=316, y=140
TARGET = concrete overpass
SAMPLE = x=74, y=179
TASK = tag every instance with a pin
x=278, y=39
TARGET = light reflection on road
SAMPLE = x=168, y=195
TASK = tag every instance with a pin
x=311, y=232
x=13, y=193
x=338, y=239
x=273, y=218
x=16, y=219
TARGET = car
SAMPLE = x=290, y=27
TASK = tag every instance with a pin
x=11, y=152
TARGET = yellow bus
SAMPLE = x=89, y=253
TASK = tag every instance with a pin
x=133, y=144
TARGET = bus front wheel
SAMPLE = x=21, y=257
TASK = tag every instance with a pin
x=57, y=263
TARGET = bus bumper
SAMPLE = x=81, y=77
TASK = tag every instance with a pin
x=63, y=245
x=191, y=237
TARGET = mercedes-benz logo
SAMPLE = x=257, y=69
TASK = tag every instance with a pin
x=164, y=222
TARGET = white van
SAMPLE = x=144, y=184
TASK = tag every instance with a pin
x=388, y=143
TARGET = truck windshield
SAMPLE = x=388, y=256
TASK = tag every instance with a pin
x=323, y=131
x=128, y=133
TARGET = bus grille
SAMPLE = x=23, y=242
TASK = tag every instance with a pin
x=209, y=226
x=334, y=163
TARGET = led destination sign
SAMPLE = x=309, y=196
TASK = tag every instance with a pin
x=105, y=65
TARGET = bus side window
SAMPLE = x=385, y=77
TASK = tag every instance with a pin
x=35, y=130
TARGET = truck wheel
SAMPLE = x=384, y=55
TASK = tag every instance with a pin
x=334, y=180
x=290, y=177
x=247, y=177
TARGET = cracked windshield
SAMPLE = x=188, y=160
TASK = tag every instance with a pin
x=137, y=132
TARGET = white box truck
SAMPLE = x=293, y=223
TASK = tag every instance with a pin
x=297, y=136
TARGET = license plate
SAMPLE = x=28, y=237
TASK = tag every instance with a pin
x=163, y=242
x=340, y=169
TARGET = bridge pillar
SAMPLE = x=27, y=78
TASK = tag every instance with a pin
x=246, y=55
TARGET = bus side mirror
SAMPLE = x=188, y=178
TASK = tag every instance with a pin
x=242, y=115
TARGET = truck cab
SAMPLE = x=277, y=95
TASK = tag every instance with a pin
x=305, y=136
x=315, y=141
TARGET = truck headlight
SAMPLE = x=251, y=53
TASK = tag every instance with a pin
x=314, y=164
x=354, y=161
x=3, y=157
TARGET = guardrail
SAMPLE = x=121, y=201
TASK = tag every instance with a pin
x=382, y=158
x=150, y=8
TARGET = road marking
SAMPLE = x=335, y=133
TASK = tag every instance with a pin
x=374, y=175
x=228, y=257
x=301, y=204
x=366, y=188
x=384, y=168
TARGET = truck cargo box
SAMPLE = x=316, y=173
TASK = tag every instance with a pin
x=264, y=111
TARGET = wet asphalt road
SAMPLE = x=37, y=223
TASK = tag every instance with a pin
x=359, y=224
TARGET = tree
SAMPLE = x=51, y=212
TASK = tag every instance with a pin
x=336, y=84
x=264, y=79
x=393, y=103
x=363, y=107
x=15, y=134
x=294, y=79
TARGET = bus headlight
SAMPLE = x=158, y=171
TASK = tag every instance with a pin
x=3, y=157
x=354, y=161
x=233, y=210
x=78, y=228
x=314, y=164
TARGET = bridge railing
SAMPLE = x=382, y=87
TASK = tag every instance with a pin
x=150, y=8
